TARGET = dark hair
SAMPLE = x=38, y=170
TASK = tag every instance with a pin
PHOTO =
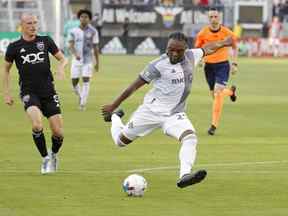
x=84, y=11
x=213, y=9
x=180, y=36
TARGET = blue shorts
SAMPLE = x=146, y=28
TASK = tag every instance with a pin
x=217, y=73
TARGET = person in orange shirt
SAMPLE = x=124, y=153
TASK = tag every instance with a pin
x=217, y=67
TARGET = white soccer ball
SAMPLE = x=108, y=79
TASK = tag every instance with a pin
x=134, y=185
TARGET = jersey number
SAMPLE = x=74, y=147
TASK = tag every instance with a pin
x=56, y=99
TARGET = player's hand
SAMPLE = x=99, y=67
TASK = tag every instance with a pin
x=228, y=41
x=234, y=68
x=108, y=109
x=8, y=100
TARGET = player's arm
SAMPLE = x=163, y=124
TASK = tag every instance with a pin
x=73, y=50
x=6, y=83
x=139, y=82
x=96, y=49
x=212, y=47
x=234, y=57
x=96, y=55
x=62, y=64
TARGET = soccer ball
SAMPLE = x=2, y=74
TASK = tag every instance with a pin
x=134, y=185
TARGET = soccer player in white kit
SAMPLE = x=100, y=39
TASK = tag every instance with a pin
x=82, y=41
x=164, y=105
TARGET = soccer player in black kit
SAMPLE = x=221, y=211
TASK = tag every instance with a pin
x=37, y=92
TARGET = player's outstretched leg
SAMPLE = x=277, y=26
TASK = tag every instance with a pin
x=187, y=156
x=192, y=178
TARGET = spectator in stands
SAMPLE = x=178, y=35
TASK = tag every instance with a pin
x=167, y=2
x=125, y=33
x=275, y=32
x=97, y=23
x=265, y=30
x=237, y=29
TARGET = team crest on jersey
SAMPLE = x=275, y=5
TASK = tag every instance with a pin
x=26, y=98
x=40, y=45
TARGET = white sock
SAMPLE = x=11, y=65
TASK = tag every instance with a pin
x=116, y=128
x=77, y=89
x=187, y=154
x=85, y=92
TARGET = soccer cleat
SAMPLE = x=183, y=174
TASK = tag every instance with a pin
x=192, y=178
x=53, y=161
x=233, y=97
x=45, y=167
x=212, y=130
x=107, y=115
x=82, y=107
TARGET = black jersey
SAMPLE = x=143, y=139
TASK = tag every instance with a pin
x=33, y=64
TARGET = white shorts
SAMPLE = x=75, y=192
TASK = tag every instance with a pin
x=84, y=70
x=144, y=121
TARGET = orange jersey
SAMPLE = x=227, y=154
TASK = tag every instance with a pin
x=206, y=36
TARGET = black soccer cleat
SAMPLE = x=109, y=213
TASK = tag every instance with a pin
x=107, y=115
x=212, y=130
x=190, y=179
x=233, y=97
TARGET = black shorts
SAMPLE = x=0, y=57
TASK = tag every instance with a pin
x=49, y=105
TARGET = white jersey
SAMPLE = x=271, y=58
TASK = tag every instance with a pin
x=84, y=40
x=171, y=82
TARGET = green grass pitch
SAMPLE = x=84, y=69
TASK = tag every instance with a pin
x=247, y=161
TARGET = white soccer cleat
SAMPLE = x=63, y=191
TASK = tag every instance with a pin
x=53, y=162
x=45, y=167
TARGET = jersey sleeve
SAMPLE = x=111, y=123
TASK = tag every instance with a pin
x=198, y=41
x=234, y=37
x=150, y=73
x=10, y=53
x=95, y=38
x=52, y=47
x=195, y=55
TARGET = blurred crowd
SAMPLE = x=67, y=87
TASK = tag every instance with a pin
x=165, y=2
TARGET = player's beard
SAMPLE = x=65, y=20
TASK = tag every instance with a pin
x=175, y=60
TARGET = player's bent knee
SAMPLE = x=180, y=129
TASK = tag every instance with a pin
x=58, y=133
x=37, y=126
x=186, y=134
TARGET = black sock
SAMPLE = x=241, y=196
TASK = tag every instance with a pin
x=39, y=139
x=56, y=143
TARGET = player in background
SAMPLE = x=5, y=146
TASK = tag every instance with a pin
x=164, y=105
x=217, y=66
x=37, y=92
x=83, y=42
x=275, y=32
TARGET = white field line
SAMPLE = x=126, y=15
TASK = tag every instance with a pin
x=152, y=169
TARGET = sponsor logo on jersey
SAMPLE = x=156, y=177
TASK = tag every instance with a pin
x=147, y=47
x=33, y=58
x=114, y=46
x=40, y=45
